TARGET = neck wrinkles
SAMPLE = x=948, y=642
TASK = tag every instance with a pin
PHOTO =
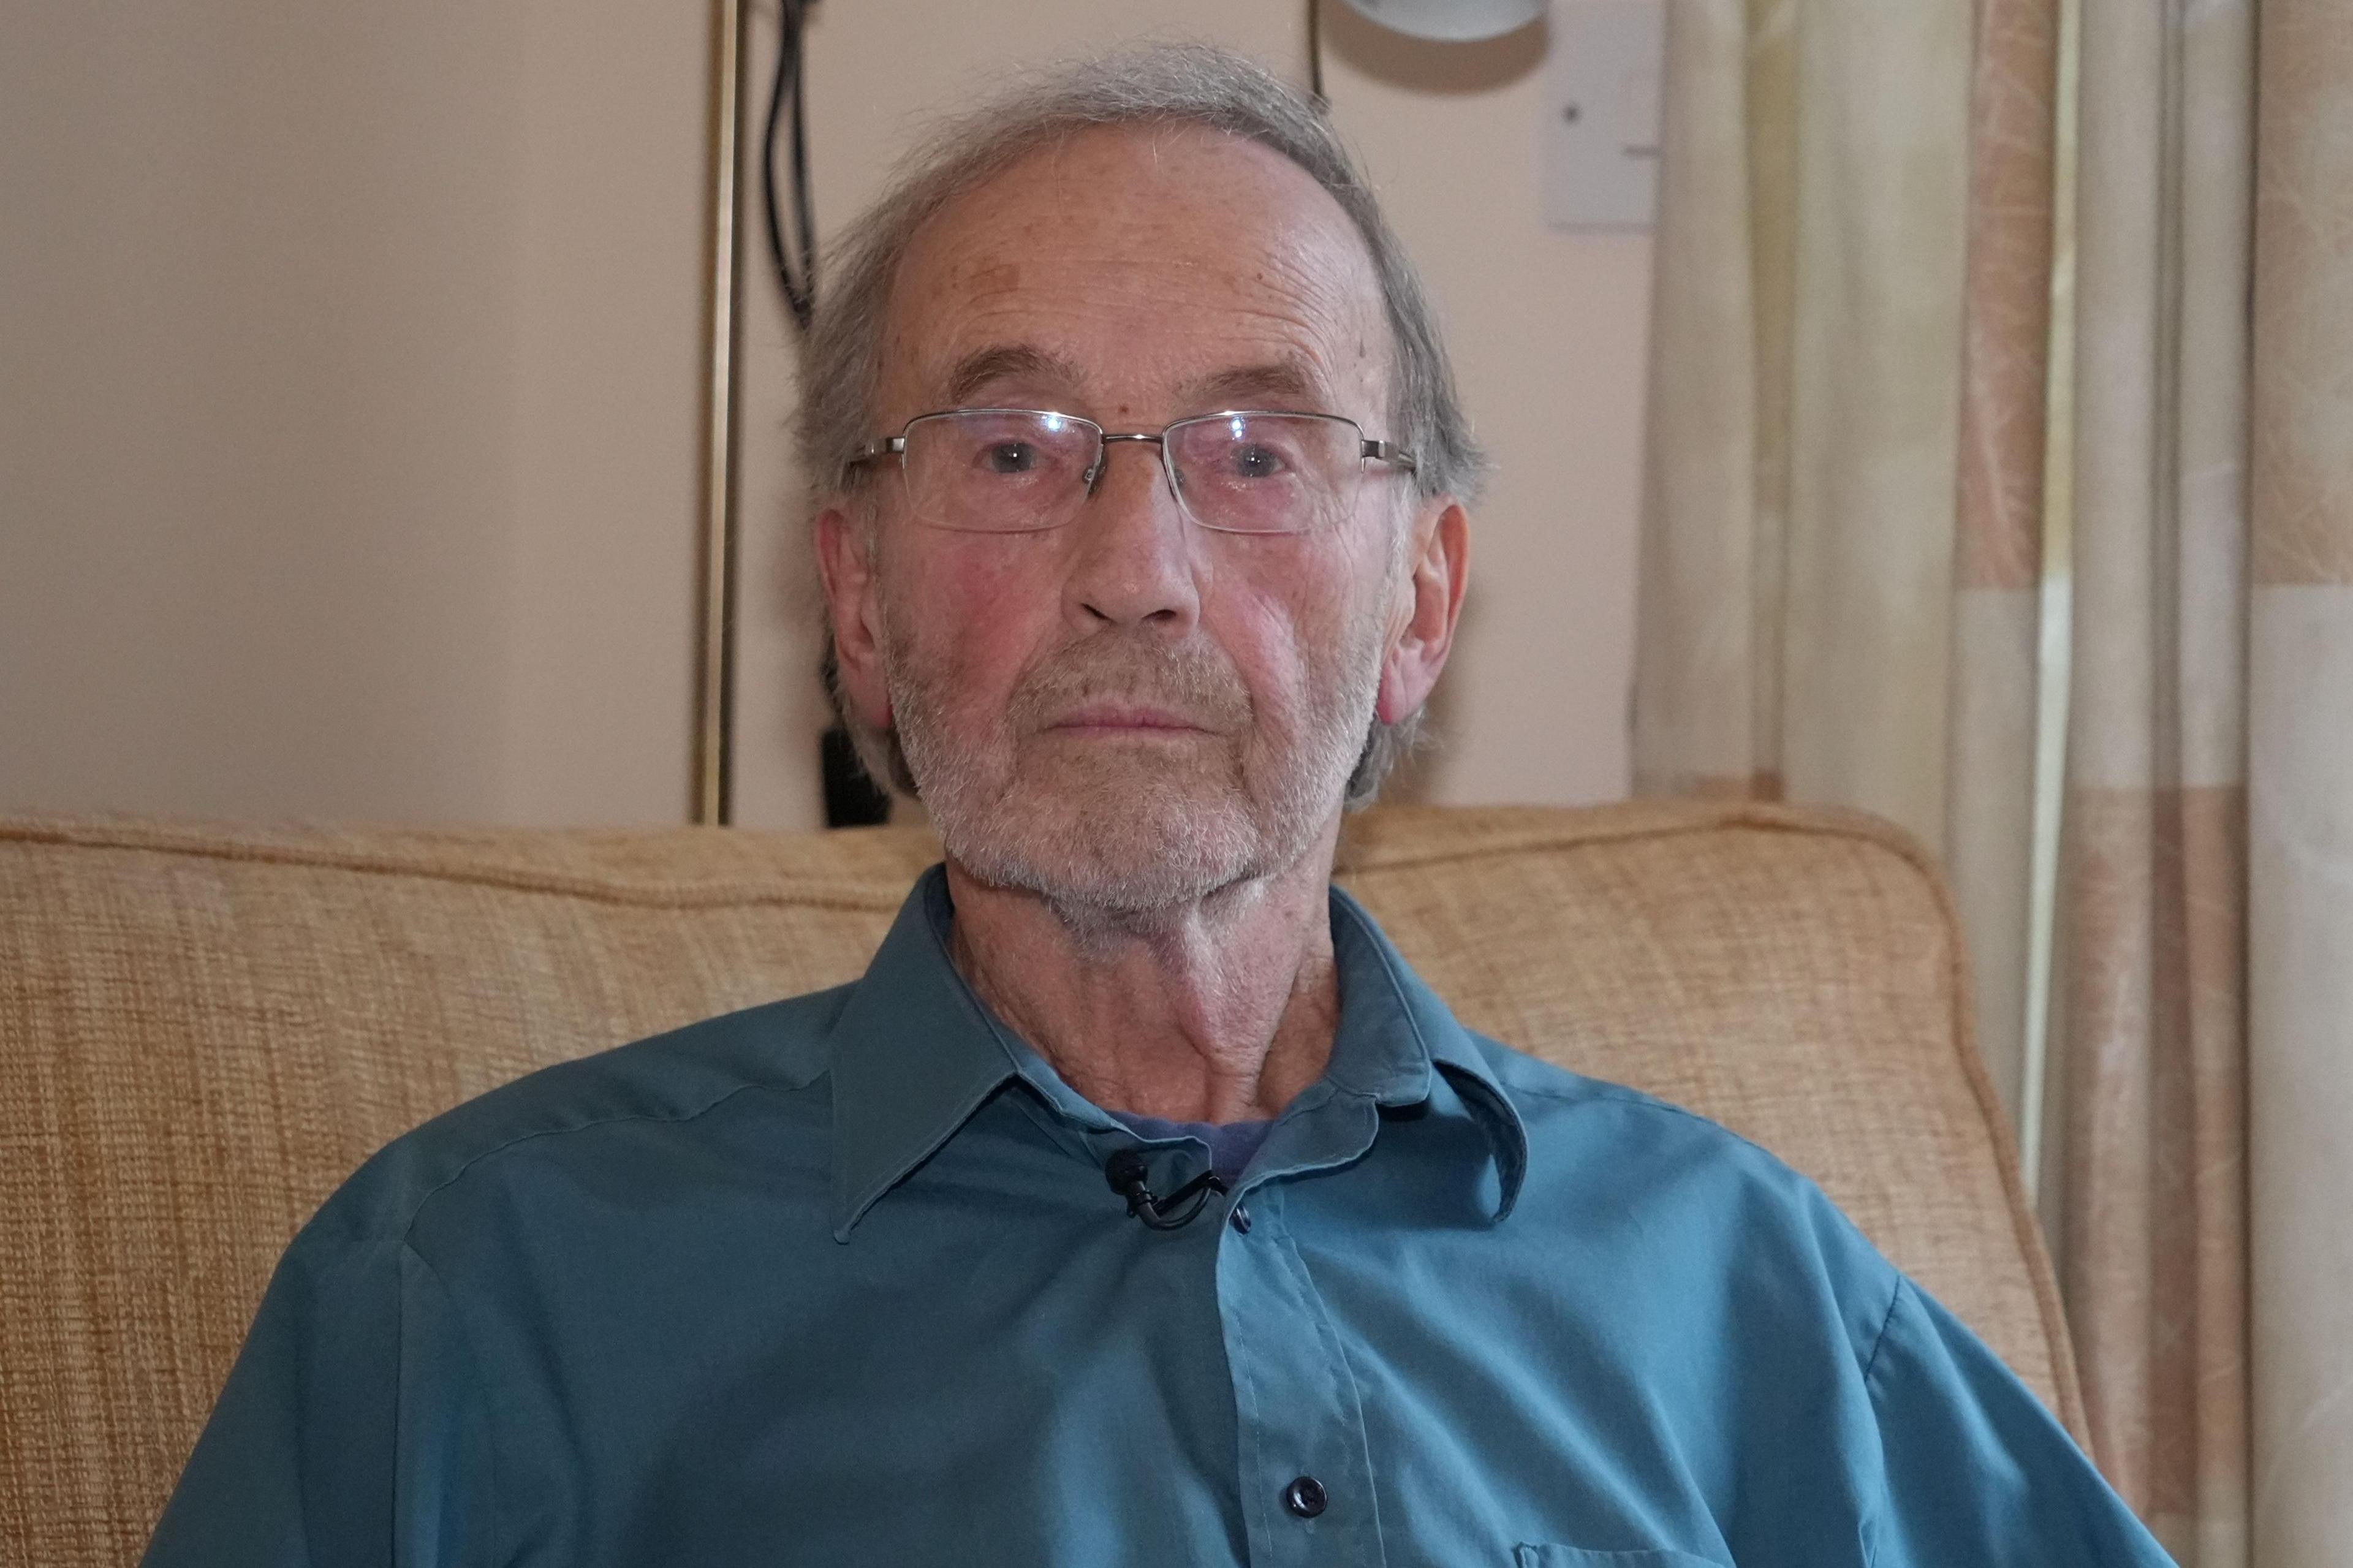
x=1220, y=1011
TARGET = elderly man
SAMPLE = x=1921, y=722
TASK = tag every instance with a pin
x=1139, y=1204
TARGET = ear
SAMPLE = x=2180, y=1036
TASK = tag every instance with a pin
x=1429, y=601
x=847, y=567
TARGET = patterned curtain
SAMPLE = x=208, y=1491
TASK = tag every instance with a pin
x=2300, y=787
x=1840, y=550
x=2149, y=1216
x=1869, y=535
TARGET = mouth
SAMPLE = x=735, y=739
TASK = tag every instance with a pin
x=1113, y=721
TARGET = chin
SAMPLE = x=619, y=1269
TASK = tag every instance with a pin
x=1124, y=858
x=1119, y=847
x=1118, y=837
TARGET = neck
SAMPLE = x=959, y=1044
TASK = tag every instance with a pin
x=1216, y=1010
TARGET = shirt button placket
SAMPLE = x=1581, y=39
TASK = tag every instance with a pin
x=1308, y=1502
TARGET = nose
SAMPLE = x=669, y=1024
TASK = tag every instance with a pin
x=1132, y=550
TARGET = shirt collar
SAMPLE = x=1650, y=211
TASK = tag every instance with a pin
x=915, y=1053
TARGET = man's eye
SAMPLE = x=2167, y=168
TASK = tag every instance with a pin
x=1010, y=458
x=1257, y=462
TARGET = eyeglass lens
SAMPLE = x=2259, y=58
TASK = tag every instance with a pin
x=1007, y=471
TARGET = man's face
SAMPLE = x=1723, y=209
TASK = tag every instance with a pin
x=1130, y=711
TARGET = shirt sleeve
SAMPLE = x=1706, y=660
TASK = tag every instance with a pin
x=1975, y=1471
x=351, y=1433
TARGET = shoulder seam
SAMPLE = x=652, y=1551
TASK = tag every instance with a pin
x=1601, y=1089
x=1871, y=1363
x=408, y=1223
x=1887, y=1320
x=1619, y=1094
x=488, y=1409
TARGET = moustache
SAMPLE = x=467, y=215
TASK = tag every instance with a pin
x=1190, y=680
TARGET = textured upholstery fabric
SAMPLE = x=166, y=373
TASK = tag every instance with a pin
x=203, y=1030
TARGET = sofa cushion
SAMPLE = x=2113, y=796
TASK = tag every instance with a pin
x=201, y=1031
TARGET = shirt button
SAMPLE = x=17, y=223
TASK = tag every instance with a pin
x=1304, y=1497
x=1241, y=1219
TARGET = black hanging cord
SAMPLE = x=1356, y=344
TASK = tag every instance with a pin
x=1315, y=53
x=796, y=268
x=852, y=799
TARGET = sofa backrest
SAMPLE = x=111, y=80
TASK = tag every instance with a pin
x=201, y=1031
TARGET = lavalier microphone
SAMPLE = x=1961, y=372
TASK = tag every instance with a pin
x=1126, y=1173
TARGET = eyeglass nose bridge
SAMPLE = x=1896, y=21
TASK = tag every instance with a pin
x=1102, y=458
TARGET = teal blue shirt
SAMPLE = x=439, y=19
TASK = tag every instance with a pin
x=840, y=1280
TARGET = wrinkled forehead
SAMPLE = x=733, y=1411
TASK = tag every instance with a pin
x=1145, y=272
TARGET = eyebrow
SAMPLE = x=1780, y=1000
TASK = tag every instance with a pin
x=1007, y=362
x=1243, y=385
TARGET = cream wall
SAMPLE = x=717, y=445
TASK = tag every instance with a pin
x=350, y=367
x=350, y=397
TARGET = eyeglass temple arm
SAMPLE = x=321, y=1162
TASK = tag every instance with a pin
x=1389, y=452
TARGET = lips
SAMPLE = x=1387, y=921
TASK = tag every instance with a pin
x=1124, y=719
x=1128, y=686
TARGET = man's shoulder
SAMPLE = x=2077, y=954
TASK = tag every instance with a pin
x=1563, y=1102
x=1691, y=1208
x=665, y=1083
x=1589, y=1136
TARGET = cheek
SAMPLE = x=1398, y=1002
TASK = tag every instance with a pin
x=973, y=609
x=1289, y=617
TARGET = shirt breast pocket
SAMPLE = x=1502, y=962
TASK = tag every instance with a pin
x=1527, y=1555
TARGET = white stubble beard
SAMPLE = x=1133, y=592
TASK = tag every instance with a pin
x=1135, y=845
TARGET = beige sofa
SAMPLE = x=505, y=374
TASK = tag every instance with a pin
x=203, y=1030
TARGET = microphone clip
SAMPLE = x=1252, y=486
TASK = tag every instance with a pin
x=1126, y=1171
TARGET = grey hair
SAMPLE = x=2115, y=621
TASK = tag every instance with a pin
x=1168, y=84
